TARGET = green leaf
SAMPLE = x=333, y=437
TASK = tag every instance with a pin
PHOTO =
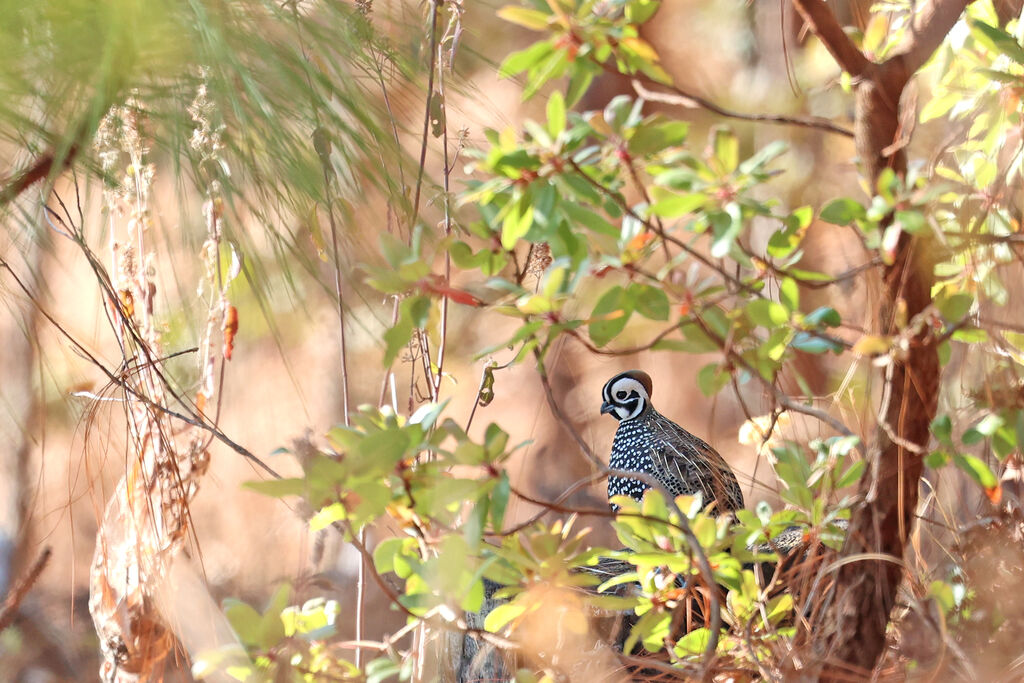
x=711, y=379
x=639, y=11
x=518, y=221
x=727, y=227
x=397, y=337
x=985, y=428
x=418, y=309
x=789, y=294
x=764, y=156
x=786, y=239
x=942, y=593
x=694, y=642
x=526, y=676
x=677, y=205
x=852, y=475
x=650, y=301
x=998, y=40
x=911, y=221
x=977, y=469
x=937, y=459
x=767, y=313
x=887, y=184
x=518, y=62
x=271, y=626
x=697, y=341
x=1004, y=441
x=969, y=335
x=656, y=136
x=955, y=307
x=725, y=149
x=651, y=629
x=808, y=343
x=327, y=515
x=825, y=315
x=579, y=82
x=277, y=488
x=556, y=114
x=610, y=315
x=552, y=66
x=499, y=502
x=385, y=448
x=939, y=105
x=385, y=552
x=502, y=615
x=244, y=619
x=942, y=428
x=622, y=111
x=535, y=20
x=842, y=212
x=653, y=505
x=381, y=669
x=588, y=219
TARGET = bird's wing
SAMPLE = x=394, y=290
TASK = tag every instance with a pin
x=698, y=466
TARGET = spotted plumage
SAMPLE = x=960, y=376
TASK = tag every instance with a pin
x=647, y=441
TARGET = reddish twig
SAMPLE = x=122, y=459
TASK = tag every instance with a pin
x=42, y=168
x=21, y=589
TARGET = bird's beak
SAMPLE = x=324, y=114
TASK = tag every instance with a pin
x=607, y=407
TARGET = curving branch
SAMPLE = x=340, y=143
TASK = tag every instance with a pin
x=824, y=25
x=41, y=168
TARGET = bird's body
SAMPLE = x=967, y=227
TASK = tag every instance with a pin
x=650, y=443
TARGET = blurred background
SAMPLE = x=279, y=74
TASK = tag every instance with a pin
x=63, y=450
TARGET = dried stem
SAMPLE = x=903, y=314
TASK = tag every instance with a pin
x=195, y=420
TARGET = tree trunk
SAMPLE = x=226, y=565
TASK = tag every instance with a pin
x=854, y=626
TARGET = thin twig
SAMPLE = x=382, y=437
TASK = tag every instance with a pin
x=120, y=382
x=426, y=113
x=557, y=410
x=680, y=98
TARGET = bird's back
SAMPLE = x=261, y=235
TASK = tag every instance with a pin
x=682, y=462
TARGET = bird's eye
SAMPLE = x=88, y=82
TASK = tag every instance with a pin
x=620, y=395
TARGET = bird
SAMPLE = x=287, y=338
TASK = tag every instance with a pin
x=648, y=442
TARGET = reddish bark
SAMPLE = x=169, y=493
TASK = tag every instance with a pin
x=851, y=635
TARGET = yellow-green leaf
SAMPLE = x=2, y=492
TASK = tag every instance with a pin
x=535, y=20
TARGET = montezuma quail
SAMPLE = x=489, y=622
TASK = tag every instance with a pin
x=647, y=441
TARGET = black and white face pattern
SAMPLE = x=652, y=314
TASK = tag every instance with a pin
x=625, y=396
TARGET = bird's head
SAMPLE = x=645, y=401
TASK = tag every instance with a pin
x=626, y=395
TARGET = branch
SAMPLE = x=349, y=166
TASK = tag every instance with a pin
x=42, y=168
x=824, y=25
x=21, y=589
x=681, y=98
x=556, y=409
x=783, y=399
